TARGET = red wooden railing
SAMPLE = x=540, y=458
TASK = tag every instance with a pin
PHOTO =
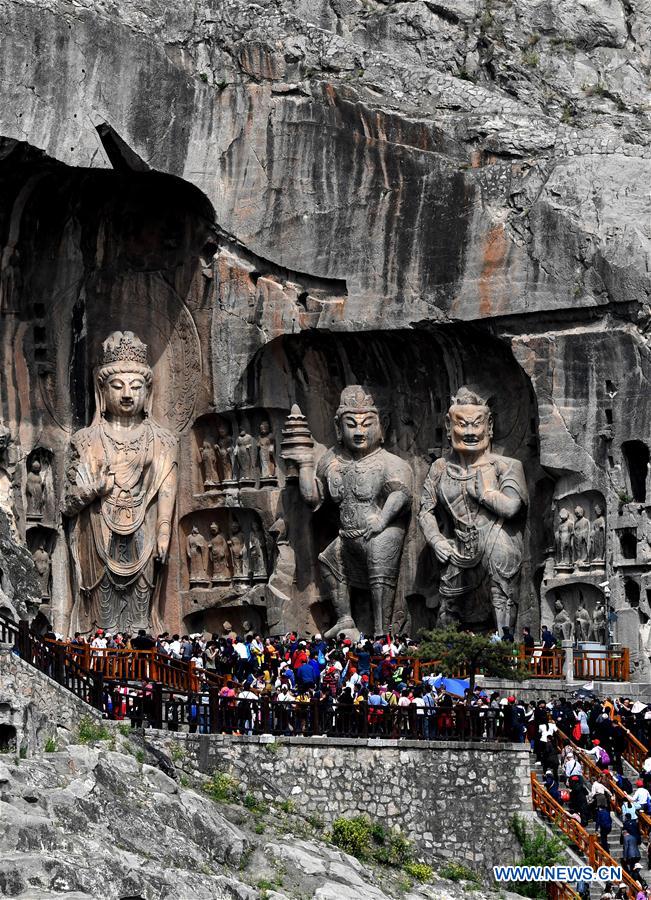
x=586, y=844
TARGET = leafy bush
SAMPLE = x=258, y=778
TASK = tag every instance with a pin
x=365, y=839
x=353, y=836
x=91, y=731
x=221, y=788
x=140, y=756
x=456, y=871
x=287, y=806
x=419, y=871
x=177, y=753
x=539, y=848
x=256, y=806
x=124, y=729
x=50, y=745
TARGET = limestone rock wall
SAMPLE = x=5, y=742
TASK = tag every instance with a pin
x=284, y=198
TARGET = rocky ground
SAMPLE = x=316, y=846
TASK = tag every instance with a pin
x=96, y=819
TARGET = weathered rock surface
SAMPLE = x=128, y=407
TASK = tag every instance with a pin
x=413, y=195
x=91, y=822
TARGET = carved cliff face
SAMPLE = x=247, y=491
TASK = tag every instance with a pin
x=361, y=433
x=469, y=430
x=125, y=395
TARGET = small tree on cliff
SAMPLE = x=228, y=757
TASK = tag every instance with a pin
x=465, y=654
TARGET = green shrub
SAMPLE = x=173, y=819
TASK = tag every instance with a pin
x=124, y=729
x=177, y=753
x=419, y=871
x=353, y=836
x=140, y=756
x=456, y=871
x=222, y=788
x=50, y=745
x=255, y=805
x=287, y=806
x=91, y=731
x=259, y=827
x=539, y=848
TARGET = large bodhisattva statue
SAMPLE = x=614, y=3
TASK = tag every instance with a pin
x=470, y=512
x=121, y=491
x=373, y=489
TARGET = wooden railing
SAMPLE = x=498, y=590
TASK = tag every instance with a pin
x=8, y=630
x=615, y=666
x=594, y=773
x=559, y=890
x=634, y=750
x=585, y=843
x=542, y=664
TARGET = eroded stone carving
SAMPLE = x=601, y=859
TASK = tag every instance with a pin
x=266, y=456
x=43, y=566
x=598, y=543
x=582, y=621
x=120, y=494
x=599, y=624
x=581, y=536
x=237, y=547
x=562, y=627
x=219, y=554
x=470, y=512
x=224, y=450
x=197, y=551
x=209, y=466
x=245, y=456
x=564, y=539
x=373, y=490
x=257, y=553
x=35, y=491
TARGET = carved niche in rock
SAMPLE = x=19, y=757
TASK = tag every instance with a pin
x=580, y=533
x=471, y=513
x=39, y=493
x=197, y=552
x=373, y=490
x=41, y=543
x=120, y=495
x=245, y=456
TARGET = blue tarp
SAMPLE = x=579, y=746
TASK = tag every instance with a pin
x=456, y=686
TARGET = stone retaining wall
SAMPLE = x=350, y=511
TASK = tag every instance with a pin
x=454, y=800
x=36, y=706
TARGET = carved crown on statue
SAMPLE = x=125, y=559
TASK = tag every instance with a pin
x=124, y=346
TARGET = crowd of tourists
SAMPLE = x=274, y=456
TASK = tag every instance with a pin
x=373, y=686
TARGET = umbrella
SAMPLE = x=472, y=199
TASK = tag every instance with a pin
x=456, y=686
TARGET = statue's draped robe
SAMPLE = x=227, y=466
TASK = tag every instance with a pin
x=113, y=538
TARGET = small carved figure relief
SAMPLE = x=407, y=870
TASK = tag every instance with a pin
x=582, y=621
x=562, y=627
x=120, y=493
x=244, y=454
x=35, y=491
x=219, y=554
x=224, y=450
x=257, y=554
x=599, y=624
x=581, y=537
x=266, y=456
x=209, y=466
x=237, y=547
x=373, y=490
x=43, y=566
x=564, y=539
x=598, y=544
x=471, y=512
x=196, y=549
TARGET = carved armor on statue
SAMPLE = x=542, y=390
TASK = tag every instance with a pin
x=120, y=494
x=373, y=490
x=470, y=512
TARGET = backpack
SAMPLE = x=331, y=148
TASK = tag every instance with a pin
x=604, y=757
